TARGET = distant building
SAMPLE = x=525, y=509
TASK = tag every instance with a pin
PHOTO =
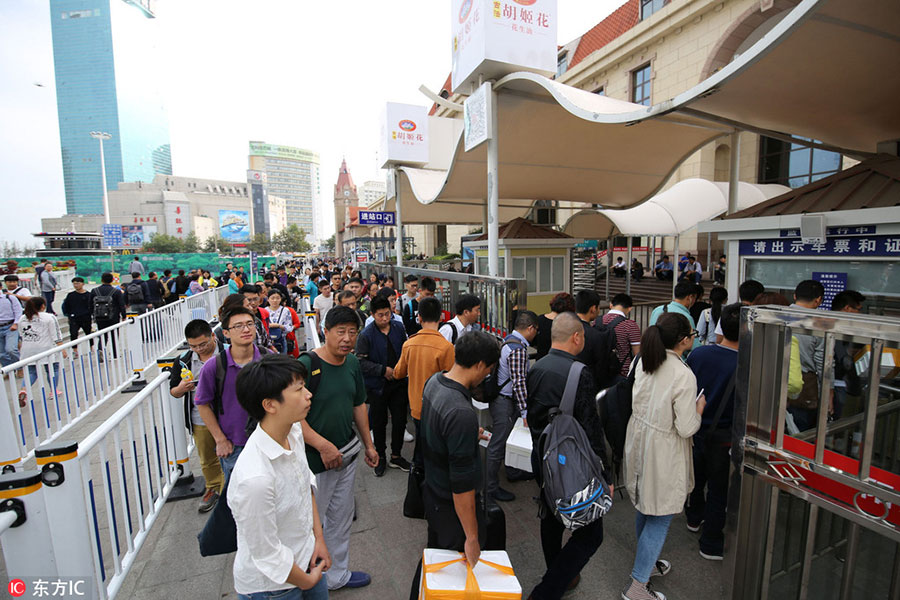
x=346, y=197
x=371, y=191
x=107, y=65
x=293, y=174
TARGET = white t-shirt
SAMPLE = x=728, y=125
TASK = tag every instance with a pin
x=322, y=305
x=39, y=334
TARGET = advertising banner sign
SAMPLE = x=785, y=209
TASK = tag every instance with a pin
x=478, y=117
x=872, y=245
x=493, y=38
x=234, y=225
x=132, y=236
x=368, y=217
x=404, y=135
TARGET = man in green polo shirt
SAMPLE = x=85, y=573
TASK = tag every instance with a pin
x=332, y=449
x=685, y=295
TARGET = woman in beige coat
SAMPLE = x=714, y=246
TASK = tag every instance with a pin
x=659, y=471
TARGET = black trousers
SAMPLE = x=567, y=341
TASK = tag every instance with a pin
x=711, y=468
x=102, y=324
x=564, y=563
x=445, y=532
x=79, y=323
x=394, y=399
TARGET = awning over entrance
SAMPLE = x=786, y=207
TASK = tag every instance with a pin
x=826, y=72
x=672, y=212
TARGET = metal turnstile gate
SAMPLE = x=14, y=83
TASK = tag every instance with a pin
x=818, y=511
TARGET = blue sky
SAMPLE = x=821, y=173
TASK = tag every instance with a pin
x=308, y=74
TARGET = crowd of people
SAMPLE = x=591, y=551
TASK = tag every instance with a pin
x=281, y=433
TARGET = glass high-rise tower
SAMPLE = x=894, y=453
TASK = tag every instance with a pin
x=108, y=78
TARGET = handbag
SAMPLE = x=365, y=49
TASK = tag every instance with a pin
x=414, y=503
x=219, y=535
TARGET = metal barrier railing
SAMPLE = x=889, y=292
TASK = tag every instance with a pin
x=501, y=297
x=63, y=281
x=796, y=497
x=91, y=506
x=310, y=329
x=63, y=385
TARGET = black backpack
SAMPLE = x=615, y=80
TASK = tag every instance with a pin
x=607, y=350
x=103, y=305
x=453, y=336
x=572, y=475
x=491, y=386
x=615, y=412
x=312, y=383
x=135, y=293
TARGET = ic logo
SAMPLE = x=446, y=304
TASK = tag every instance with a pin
x=407, y=125
x=17, y=588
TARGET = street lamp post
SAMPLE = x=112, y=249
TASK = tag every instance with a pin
x=100, y=135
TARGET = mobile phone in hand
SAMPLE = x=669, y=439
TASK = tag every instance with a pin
x=700, y=394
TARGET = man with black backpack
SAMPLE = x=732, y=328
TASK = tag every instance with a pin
x=202, y=346
x=216, y=397
x=587, y=306
x=108, y=308
x=548, y=380
x=468, y=312
x=512, y=401
x=621, y=336
x=137, y=294
x=715, y=367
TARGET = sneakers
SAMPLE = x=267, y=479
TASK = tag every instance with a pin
x=661, y=568
x=712, y=555
x=408, y=437
x=694, y=528
x=641, y=591
x=208, y=502
x=381, y=467
x=358, y=579
x=398, y=462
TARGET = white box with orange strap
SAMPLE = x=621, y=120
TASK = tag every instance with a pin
x=447, y=576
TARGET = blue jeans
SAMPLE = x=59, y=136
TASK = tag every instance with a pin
x=33, y=375
x=9, y=345
x=229, y=461
x=651, y=535
x=318, y=592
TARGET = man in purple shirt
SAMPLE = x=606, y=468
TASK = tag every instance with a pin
x=222, y=413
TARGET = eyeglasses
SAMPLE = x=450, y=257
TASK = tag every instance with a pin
x=199, y=346
x=693, y=333
x=242, y=327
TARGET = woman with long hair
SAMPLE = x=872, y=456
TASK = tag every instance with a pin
x=659, y=470
x=38, y=331
x=562, y=302
x=708, y=319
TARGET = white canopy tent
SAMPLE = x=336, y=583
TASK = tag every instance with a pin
x=825, y=72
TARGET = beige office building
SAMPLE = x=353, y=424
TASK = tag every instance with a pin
x=292, y=174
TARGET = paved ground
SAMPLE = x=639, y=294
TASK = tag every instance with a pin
x=388, y=545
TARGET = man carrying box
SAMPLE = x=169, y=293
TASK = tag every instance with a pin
x=450, y=435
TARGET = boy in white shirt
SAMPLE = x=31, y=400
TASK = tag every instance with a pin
x=323, y=302
x=271, y=492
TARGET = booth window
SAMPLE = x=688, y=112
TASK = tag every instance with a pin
x=640, y=85
x=794, y=165
x=545, y=274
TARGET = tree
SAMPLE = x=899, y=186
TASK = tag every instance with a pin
x=260, y=244
x=291, y=239
x=216, y=243
x=190, y=243
x=164, y=244
x=329, y=243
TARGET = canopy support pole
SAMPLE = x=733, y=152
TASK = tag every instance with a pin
x=493, y=193
x=398, y=241
x=651, y=263
x=732, y=274
x=675, y=265
x=709, y=253
x=628, y=265
x=608, y=264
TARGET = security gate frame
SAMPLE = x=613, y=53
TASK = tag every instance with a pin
x=769, y=462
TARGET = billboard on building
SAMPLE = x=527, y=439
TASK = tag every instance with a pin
x=234, y=225
x=178, y=218
x=493, y=38
x=259, y=202
x=276, y=151
x=135, y=236
x=404, y=135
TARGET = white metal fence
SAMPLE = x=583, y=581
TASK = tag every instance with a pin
x=99, y=498
x=52, y=391
x=63, y=281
